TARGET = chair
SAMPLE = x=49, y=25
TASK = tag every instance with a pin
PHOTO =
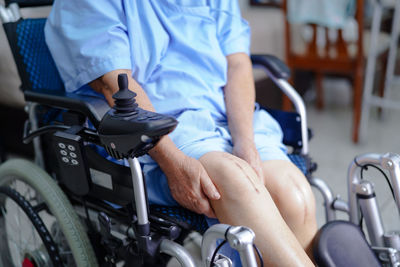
x=384, y=100
x=101, y=192
x=336, y=57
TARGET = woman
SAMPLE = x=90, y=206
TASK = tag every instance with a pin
x=189, y=59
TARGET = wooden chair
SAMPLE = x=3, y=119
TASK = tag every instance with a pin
x=345, y=61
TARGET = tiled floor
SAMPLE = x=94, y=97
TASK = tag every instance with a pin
x=333, y=150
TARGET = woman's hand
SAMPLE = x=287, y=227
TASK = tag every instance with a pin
x=191, y=186
x=246, y=150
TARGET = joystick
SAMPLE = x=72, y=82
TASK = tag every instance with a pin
x=125, y=103
x=126, y=130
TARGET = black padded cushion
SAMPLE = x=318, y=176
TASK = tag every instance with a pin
x=273, y=64
x=91, y=106
x=183, y=217
x=30, y=3
x=341, y=243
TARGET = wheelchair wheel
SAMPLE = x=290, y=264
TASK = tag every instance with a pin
x=26, y=239
x=34, y=196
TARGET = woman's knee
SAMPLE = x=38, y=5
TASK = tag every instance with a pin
x=231, y=174
x=300, y=203
x=291, y=192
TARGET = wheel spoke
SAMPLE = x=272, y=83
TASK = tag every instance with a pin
x=65, y=253
x=39, y=207
x=19, y=226
x=19, y=233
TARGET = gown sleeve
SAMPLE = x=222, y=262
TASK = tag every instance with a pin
x=87, y=39
x=233, y=31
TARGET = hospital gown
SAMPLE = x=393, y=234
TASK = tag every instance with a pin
x=177, y=52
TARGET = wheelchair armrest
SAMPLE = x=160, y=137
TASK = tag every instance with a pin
x=92, y=107
x=277, y=68
x=279, y=73
x=30, y=3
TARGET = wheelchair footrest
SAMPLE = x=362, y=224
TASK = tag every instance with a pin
x=341, y=243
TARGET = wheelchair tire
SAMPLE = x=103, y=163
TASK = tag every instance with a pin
x=37, y=255
x=56, y=202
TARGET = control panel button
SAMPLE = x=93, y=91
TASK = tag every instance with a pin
x=71, y=147
x=65, y=159
x=61, y=145
x=74, y=162
x=63, y=152
x=72, y=154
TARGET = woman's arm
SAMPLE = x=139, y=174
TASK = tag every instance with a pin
x=188, y=181
x=239, y=100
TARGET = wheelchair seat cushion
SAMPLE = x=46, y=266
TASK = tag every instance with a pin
x=341, y=243
x=301, y=162
x=183, y=217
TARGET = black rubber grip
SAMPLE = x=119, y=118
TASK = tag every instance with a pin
x=277, y=68
x=122, y=81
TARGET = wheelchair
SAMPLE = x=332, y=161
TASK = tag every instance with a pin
x=72, y=207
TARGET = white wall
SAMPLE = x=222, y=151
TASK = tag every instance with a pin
x=267, y=27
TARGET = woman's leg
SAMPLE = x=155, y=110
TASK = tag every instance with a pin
x=292, y=195
x=245, y=201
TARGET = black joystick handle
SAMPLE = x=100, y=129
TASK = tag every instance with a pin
x=122, y=81
x=128, y=131
x=125, y=103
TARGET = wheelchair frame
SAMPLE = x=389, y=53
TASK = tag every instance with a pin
x=360, y=192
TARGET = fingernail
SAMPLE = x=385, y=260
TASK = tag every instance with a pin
x=217, y=195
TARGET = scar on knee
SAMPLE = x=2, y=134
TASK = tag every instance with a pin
x=305, y=209
x=229, y=157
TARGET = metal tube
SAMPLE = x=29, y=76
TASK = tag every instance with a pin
x=37, y=146
x=339, y=204
x=14, y=10
x=392, y=240
x=239, y=238
x=299, y=105
x=177, y=251
x=390, y=253
x=10, y=13
x=353, y=179
x=391, y=162
x=247, y=256
x=369, y=207
x=242, y=239
x=300, y=108
x=208, y=244
x=326, y=193
x=139, y=191
x=4, y=16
